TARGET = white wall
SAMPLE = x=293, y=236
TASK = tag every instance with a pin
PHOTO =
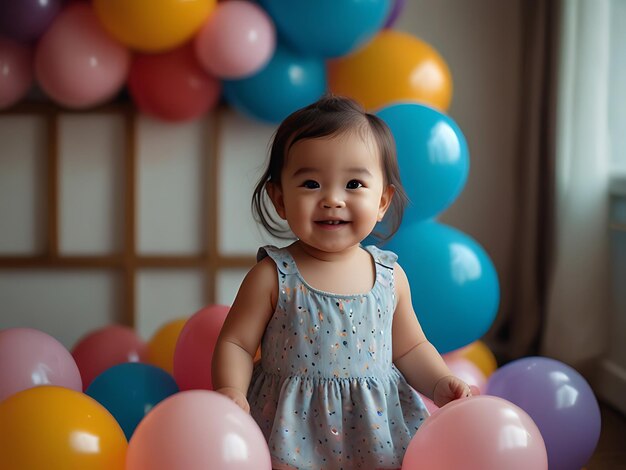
x=480, y=41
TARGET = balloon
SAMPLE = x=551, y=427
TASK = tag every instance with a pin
x=467, y=371
x=196, y=430
x=26, y=20
x=327, y=28
x=172, y=86
x=477, y=433
x=560, y=401
x=194, y=349
x=454, y=284
x=393, y=67
x=16, y=77
x=77, y=63
x=129, y=391
x=163, y=343
x=29, y=358
x=288, y=83
x=106, y=347
x=238, y=40
x=432, y=155
x=58, y=429
x=396, y=10
x=153, y=26
x=480, y=354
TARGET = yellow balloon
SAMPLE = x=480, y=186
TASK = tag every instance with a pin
x=394, y=66
x=55, y=428
x=163, y=343
x=153, y=25
x=480, y=354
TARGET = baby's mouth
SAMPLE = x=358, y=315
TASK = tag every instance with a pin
x=331, y=222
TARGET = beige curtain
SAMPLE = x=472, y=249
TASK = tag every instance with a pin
x=517, y=330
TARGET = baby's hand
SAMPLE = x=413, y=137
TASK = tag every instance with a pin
x=237, y=396
x=450, y=388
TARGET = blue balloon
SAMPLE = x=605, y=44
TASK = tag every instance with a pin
x=432, y=155
x=130, y=390
x=327, y=28
x=288, y=83
x=454, y=284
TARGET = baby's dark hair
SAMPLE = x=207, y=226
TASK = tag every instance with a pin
x=329, y=116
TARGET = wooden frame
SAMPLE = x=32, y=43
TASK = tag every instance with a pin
x=128, y=262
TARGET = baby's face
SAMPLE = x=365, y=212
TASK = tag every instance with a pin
x=332, y=190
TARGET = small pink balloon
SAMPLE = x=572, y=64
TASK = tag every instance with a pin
x=237, y=40
x=196, y=430
x=105, y=348
x=194, y=348
x=430, y=405
x=30, y=357
x=477, y=433
x=77, y=63
x=16, y=71
x=467, y=371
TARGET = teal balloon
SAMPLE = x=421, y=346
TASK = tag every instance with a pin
x=327, y=28
x=454, y=284
x=287, y=83
x=130, y=390
x=432, y=155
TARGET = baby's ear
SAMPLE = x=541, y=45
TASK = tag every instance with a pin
x=385, y=200
x=275, y=193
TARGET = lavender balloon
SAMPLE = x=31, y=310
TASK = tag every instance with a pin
x=394, y=14
x=561, y=403
x=26, y=20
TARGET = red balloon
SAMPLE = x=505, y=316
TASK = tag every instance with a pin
x=195, y=346
x=172, y=85
x=105, y=348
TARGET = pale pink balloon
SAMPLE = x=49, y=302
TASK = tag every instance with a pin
x=467, y=371
x=477, y=433
x=194, y=348
x=30, y=357
x=77, y=63
x=107, y=347
x=237, y=40
x=430, y=405
x=16, y=71
x=197, y=430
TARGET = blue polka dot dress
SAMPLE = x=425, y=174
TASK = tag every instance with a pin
x=326, y=394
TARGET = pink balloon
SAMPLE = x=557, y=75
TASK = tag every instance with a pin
x=77, y=63
x=197, y=430
x=105, y=348
x=194, y=348
x=430, y=405
x=237, y=40
x=29, y=358
x=16, y=71
x=467, y=371
x=477, y=433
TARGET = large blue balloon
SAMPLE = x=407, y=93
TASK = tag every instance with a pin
x=327, y=28
x=560, y=402
x=432, y=154
x=454, y=284
x=130, y=390
x=288, y=83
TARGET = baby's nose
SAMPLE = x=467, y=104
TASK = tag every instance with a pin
x=333, y=202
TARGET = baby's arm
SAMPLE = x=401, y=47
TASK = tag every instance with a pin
x=415, y=356
x=242, y=332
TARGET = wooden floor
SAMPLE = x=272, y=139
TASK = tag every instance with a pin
x=611, y=451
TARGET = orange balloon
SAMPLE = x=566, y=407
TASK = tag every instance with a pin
x=394, y=66
x=163, y=343
x=59, y=429
x=478, y=353
x=153, y=25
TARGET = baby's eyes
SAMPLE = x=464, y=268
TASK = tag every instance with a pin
x=310, y=184
x=354, y=184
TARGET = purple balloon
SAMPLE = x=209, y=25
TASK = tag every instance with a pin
x=561, y=403
x=394, y=14
x=26, y=20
